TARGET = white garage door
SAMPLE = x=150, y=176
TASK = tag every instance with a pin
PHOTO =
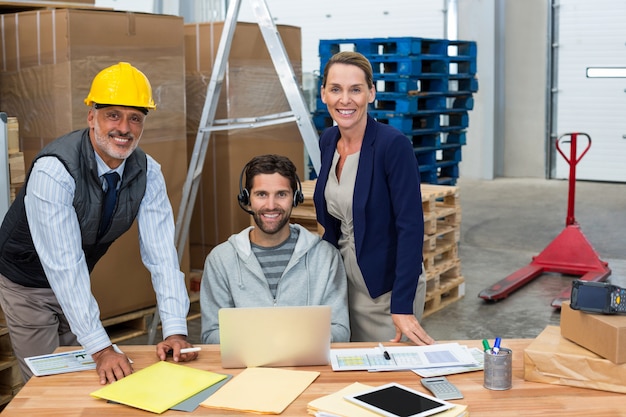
x=592, y=34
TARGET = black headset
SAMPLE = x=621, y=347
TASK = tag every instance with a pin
x=244, y=195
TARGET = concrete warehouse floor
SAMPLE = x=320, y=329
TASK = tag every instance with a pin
x=505, y=222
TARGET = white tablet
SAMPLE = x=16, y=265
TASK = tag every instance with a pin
x=395, y=400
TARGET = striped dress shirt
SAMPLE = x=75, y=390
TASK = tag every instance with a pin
x=56, y=235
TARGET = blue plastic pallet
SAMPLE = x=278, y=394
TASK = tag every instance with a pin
x=441, y=175
x=397, y=85
x=322, y=120
x=410, y=125
x=462, y=84
x=456, y=137
x=438, y=140
x=454, y=121
x=462, y=102
x=402, y=46
x=385, y=46
x=449, y=171
x=462, y=48
x=434, y=85
x=443, y=156
x=428, y=140
x=410, y=66
x=403, y=103
x=429, y=175
x=462, y=65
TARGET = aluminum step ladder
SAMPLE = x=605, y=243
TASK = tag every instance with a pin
x=299, y=113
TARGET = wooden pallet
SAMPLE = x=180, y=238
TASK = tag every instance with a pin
x=137, y=323
x=441, y=259
x=437, y=196
x=442, y=232
x=449, y=290
x=11, y=380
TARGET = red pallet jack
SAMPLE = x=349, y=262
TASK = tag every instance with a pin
x=570, y=253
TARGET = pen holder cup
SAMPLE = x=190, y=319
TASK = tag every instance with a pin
x=498, y=370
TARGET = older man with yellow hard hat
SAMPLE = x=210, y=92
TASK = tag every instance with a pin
x=83, y=191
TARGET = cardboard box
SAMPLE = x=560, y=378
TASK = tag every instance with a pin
x=16, y=168
x=602, y=334
x=251, y=88
x=48, y=61
x=13, y=140
x=552, y=359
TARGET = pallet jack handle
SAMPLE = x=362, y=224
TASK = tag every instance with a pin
x=573, y=160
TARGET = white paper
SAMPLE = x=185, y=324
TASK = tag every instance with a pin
x=476, y=353
x=401, y=357
x=60, y=363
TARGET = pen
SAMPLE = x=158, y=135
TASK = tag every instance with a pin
x=486, y=346
x=496, y=346
x=189, y=350
x=385, y=353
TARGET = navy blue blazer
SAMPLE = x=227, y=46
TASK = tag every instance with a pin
x=387, y=212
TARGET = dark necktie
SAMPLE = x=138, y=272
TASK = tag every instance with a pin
x=108, y=202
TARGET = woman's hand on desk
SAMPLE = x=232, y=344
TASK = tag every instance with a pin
x=172, y=345
x=408, y=325
x=111, y=366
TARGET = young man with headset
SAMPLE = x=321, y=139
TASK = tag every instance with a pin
x=274, y=263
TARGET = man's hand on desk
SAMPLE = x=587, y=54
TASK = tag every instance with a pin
x=172, y=345
x=111, y=366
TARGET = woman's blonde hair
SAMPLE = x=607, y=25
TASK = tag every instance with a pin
x=350, y=58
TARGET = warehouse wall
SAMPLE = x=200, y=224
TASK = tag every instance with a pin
x=508, y=129
x=507, y=133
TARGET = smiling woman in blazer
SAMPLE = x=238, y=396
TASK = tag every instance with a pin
x=368, y=200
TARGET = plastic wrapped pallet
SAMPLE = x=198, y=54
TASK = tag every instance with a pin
x=49, y=59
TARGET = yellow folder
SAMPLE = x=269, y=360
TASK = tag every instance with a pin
x=159, y=386
x=335, y=404
x=261, y=390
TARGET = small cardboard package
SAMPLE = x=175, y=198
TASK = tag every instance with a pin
x=602, y=334
x=552, y=359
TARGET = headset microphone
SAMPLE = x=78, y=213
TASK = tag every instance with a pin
x=243, y=198
x=243, y=207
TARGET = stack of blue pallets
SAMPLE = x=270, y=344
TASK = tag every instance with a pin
x=424, y=87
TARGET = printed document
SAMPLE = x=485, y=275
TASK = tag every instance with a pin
x=393, y=358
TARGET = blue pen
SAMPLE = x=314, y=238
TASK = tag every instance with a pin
x=496, y=346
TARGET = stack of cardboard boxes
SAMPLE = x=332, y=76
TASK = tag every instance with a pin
x=587, y=351
x=49, y=59
x=251, y=87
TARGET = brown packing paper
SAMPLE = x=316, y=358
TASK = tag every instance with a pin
x=48, y=61
x=251, y=88
x=552, y=359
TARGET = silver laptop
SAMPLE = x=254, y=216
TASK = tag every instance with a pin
x=275, y=336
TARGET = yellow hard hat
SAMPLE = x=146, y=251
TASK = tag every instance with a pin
x=121, y=85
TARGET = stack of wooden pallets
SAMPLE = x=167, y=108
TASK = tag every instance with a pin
x=442, y=229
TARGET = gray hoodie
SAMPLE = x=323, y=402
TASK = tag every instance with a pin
x=315, y=275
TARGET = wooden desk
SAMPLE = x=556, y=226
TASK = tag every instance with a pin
x=67, y=395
